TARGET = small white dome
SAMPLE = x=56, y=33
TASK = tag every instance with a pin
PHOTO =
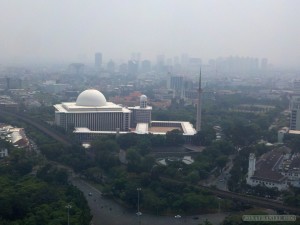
x=143, y=98
x=91, y=97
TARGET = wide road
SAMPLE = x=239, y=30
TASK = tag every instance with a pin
x=107, y=212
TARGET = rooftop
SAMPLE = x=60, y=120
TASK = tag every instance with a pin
x=266, y=166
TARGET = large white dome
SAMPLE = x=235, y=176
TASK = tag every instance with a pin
x=91, y=97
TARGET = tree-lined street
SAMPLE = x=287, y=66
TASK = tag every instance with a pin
x=107, y=212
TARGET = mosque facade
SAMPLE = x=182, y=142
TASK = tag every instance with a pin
x=91, y=116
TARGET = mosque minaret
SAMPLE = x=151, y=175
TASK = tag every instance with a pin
x=198, y=122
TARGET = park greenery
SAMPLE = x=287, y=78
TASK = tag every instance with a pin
x=165, y=189
x=33, y=193
x=161, y=193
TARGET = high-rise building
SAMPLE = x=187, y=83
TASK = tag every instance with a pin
x=264, y=64
x=184, y=60
x=295, y=113
x=98, y=60
x=296, y=87
x=176, y=83
x=160, y=63
x=123, y=68
x=111, y=66
x=133, y=67
x=295, y=106
x=199, y=106
x=194, y=64
x=136, y=56
x=146, y=66
x=76, y=68
x=13, y=83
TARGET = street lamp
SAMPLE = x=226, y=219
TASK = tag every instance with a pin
x=219, y=205
x=138, y=190
x=68, y=207
x=138, y=206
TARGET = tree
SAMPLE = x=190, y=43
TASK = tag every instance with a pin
x=221, y=161
x=241, y=133
x=174, y=138
x=106, y=153
x=127, y=140
x=144, y=145
x=292, y=141
x=94, y=173
x=157, y=140
x=204, y=137
x=134, y=160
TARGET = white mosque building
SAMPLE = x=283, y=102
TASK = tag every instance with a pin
x=92, y=111
x=91, y=115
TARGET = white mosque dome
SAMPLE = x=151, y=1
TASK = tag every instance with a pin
x=143, y=98
x=91, y=97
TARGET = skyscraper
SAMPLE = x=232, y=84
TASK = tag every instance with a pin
x=110, y=66
x=198, y=122
x=98, y=60
x=295, y=106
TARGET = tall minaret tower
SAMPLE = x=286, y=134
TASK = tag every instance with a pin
x=198, y=122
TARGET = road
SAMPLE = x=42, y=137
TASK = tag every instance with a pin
x=107, y=212
x=220, y=181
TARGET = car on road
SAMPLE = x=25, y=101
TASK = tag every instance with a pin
x=90, y=194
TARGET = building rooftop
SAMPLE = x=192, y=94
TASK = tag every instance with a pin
x=72, y=107
x=142, y=128
x=86, y=130
x=294, y=131
x=162, y=127
x=266, y=167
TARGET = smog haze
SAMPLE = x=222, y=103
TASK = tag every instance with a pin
x=72, y=30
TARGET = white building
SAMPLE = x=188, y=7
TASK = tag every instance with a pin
x=16, y=136
x=92, y=116
x=277, y=168
x=141, y=113
x=92, y=111
x=295, y=113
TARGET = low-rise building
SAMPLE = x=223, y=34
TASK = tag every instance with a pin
x=6, y=103
x=16, y=136
x=277, y=168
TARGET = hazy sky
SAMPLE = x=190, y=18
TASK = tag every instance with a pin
x=63, y=30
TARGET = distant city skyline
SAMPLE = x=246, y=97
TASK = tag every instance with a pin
x=73, y=30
